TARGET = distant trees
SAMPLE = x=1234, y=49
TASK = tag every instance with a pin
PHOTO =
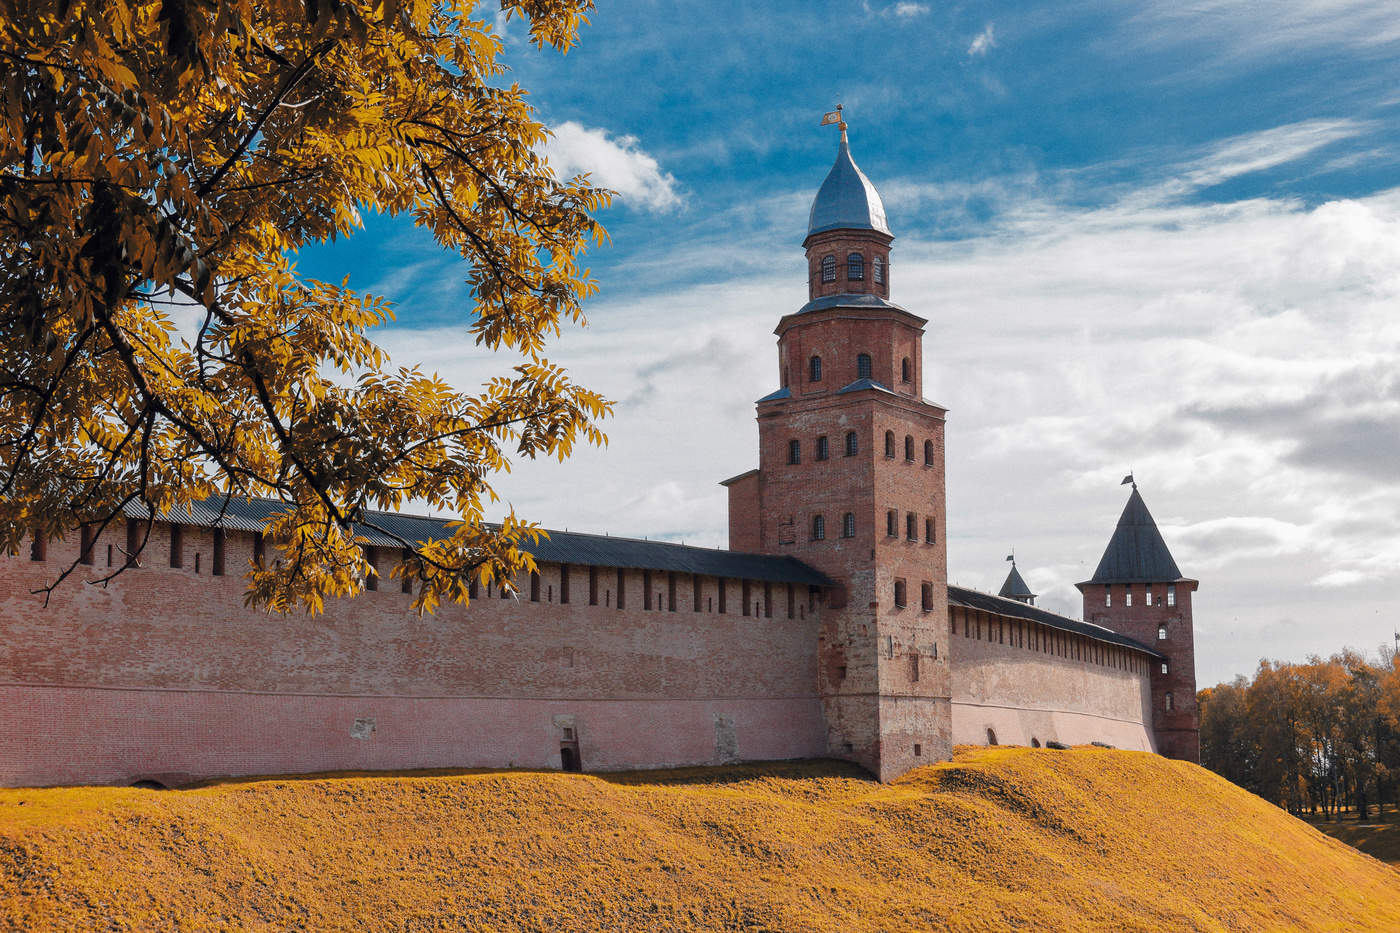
x=1313, y=737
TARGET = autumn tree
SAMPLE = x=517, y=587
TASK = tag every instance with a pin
x=161, y=163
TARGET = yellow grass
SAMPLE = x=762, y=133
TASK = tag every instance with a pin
x=999, y=839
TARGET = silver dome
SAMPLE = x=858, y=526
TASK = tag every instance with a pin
x=847, y=200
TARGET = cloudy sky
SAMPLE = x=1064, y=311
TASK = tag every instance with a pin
x=1153, y=235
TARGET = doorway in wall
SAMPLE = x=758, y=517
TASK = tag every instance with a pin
x=569, y=758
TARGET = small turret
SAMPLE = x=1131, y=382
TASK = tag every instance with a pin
x=1015, y=587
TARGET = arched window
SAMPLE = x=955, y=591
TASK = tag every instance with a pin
x=815, y=369
x=848, y=525
x=904, y=370
x=1170, y=704
x=911, y=526
x=928, y=453
x=899, y=593
x=855, y=267
x=909, y=447
x=863, y=366
x=926, y=597
x=1161, y=633
x=1164, y=667
x=852, y=444
x=879, y=264
x=828, y=268
x=794, y=451
x=892, y=523
x=823, y=448
x=930, y=530
x=818, y=528
x=991, y=737
x=889, y=443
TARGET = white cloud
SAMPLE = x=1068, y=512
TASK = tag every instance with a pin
x=910, y=10
x=1251, y=28
x=617, y=162
x=982, y=43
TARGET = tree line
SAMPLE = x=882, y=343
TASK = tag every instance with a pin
x=1314, y=738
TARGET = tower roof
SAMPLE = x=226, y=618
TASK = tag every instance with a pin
x=847, y=200
x=1136, y=553
x=1015, y=586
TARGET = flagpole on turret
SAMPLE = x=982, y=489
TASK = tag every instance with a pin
x=834, y=116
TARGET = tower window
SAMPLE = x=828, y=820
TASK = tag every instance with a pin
x=371, y=558
x=818, y=528
x=85, y=544
x=892, y=523
x=1127, y=595
x=899, y=593
x=852, y=444
x=926, y=596
x=1164, y=667
x=218, y=567
x=930, y=530
x=794, y=451
x=828, y=268
x=1108, y=595
x=928, y=453
x=911, y=526
x=38, y=548
x=814, y=368
x=848, y=525
x=904, y=370
x=863, y=366
x=909, y=448
x=177, y=545
x=879, y=270
x=823, y=448
x=1161, y=633
x=1171, y=594
x=1170, y=704
x=534, y=586
x=889, y=444
x=855, y=267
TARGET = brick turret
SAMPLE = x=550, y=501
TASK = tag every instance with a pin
x=851, y=481
x=1138, y=591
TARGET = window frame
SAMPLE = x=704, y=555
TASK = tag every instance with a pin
x=828, y=272
x=814, y=369
x=865, y=367
x=794, y=457
x=852, y=443
x=818, y=528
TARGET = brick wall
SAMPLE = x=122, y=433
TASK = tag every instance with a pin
x=1027, y=682
x=165, y=671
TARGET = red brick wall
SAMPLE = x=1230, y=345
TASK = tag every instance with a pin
x=1026, y=681
x=840, y=244
x=1178, y=730
x=165, y=665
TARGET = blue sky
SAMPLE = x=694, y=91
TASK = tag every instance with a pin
x=1156, y=235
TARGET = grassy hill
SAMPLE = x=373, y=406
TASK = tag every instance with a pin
x=998, y=839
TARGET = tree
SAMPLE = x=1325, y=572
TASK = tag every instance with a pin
x=160, y=165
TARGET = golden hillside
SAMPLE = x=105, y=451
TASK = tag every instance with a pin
x=999, y=839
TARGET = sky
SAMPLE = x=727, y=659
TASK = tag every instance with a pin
x=1157, y=236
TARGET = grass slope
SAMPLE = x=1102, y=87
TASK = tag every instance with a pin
x=998, y=839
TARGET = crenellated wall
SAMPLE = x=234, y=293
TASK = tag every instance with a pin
x=1030, y=683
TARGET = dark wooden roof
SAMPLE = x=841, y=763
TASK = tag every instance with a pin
x=1136, y=553
x=561, y=547
x=997, y=605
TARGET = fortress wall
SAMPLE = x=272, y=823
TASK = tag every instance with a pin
x=1024, y=680
x=165, y=672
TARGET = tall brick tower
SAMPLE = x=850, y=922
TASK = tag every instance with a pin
x=850, y=479
x=1138, y=591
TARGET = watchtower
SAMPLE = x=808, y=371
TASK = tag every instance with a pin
x=851, y=481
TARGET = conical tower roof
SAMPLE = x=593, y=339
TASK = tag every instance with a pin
x=1015, y=586
x=1136, y=553
x=847, y=200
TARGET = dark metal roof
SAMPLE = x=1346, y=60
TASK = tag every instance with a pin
x=865, y=384
x=997, y=605
x=561, y=547
x=850, y=300
x=1015, y=587
x=847, y=200
x=782, y=393
x=1136, y=553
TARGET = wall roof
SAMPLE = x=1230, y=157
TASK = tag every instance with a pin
x=561, y=547
x=997, y=605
